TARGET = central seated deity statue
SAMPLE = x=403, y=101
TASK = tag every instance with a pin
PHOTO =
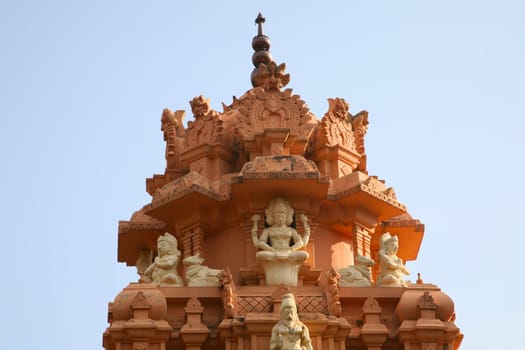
x=280, y=256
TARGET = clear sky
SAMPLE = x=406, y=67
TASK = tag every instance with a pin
x=83, y=85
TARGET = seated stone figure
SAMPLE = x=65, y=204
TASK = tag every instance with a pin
x=392, y=267
x=163, y=270
x=280, y=243
x=198, y=275
x=290, y=333
x=357, y=275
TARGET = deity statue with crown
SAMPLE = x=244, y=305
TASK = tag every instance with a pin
x=280, y=256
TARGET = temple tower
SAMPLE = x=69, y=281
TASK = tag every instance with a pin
x=265, y=200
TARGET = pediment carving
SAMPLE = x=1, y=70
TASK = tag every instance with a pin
x=206, y=128
x=335, y=128
x=268, y=112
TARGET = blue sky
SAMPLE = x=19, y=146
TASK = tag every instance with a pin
x=83, y=85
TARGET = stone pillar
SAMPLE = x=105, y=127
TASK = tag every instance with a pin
x=194, y=332
x=373, y=333
x=341, y=334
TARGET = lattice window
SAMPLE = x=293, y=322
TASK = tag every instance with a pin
x=254, y=304
x=310, y=304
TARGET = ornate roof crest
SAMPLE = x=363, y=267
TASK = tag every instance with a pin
x=271, y=76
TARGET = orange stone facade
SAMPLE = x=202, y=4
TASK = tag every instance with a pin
x=224, y=169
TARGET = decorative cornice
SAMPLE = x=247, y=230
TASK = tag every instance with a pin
x=187, y=184
x=364, y=188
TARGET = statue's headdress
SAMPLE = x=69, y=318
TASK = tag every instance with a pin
x=288, y=301
x=168, y=237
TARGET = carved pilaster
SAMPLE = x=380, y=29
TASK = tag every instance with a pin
x=332, y=291
x=229, y=294
x=194, y=332
x=140, y=306
x=428, y=331
x=373, y=333
x=429, y=328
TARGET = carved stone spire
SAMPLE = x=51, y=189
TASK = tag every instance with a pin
x=261, y=46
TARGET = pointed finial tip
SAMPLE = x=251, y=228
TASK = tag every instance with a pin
x=260, y=19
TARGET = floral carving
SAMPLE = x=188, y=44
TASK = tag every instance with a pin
x=271, y=76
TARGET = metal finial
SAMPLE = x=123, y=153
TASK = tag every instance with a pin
x=260, y=20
